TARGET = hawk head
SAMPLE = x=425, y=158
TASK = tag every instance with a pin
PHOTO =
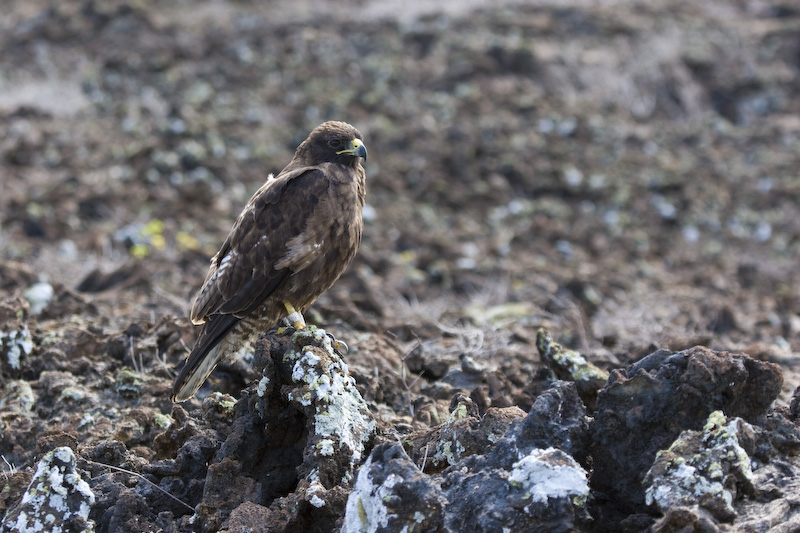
x=332, y=142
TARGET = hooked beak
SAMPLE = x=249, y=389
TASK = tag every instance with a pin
x=356, y=148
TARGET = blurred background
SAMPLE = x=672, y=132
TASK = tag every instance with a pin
x=625, y=173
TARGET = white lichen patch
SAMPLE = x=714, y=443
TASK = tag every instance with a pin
x=56, y=497
x=261, y=389
x=304, y=368
x=697, y=466
x=39, y=295
x=343, y=417
x=314, y=490
x=342, y=421
x=325, y=447
x=16, y=344
x=225, y=404
x=550, y=474
x=448, y=451
x=366, y=510
x=316, y=501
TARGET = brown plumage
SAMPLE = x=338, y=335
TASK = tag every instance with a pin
x=291, y=242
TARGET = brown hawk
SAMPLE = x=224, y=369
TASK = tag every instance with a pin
x=291, y=242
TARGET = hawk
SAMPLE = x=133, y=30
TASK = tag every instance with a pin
x=292, y=241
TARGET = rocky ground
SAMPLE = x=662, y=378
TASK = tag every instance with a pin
x=575, y=306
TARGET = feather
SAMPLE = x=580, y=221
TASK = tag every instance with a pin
x=291, y=242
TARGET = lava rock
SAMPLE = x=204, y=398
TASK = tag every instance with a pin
x=525, y=482
x=460, y=436
x=543, y=490
x=707, y=468
x=297, y=437
x=57, y=499
x=391, y=493
x=556, y=419
x=16, y=342
x=644, y=408
x=570, y=365
x=518, y=482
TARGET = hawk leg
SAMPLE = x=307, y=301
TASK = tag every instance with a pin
x=295, y=317
x=295, y=320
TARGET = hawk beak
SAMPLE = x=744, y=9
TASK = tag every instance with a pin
x=356, y=148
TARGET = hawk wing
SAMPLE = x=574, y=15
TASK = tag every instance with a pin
x=250, y=265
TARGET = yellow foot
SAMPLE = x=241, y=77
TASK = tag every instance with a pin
x=295, y=318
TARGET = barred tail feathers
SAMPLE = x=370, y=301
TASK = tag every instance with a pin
x=218, y=338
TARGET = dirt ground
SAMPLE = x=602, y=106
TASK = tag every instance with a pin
x=625, y=174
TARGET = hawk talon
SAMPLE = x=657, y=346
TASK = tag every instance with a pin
x=287, y=330
x=340, y=347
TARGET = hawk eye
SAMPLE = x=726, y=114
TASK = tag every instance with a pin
x=334, y=143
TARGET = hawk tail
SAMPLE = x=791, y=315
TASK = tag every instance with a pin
x=211, y=348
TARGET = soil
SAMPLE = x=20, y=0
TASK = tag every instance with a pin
x=622, y=174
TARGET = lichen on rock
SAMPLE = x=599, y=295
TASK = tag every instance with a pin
x=128, y=383
x=296, y=437
x=570, y=365
x=392, y=494
x=57, y=500
x=550, y=473
x=519, y=482
x=15, y=336
x=567, y=364
x=707, y=468
x=643, y=409
x=16, y=344
x=342, y=422
x=463, y=434
x=38, y=295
